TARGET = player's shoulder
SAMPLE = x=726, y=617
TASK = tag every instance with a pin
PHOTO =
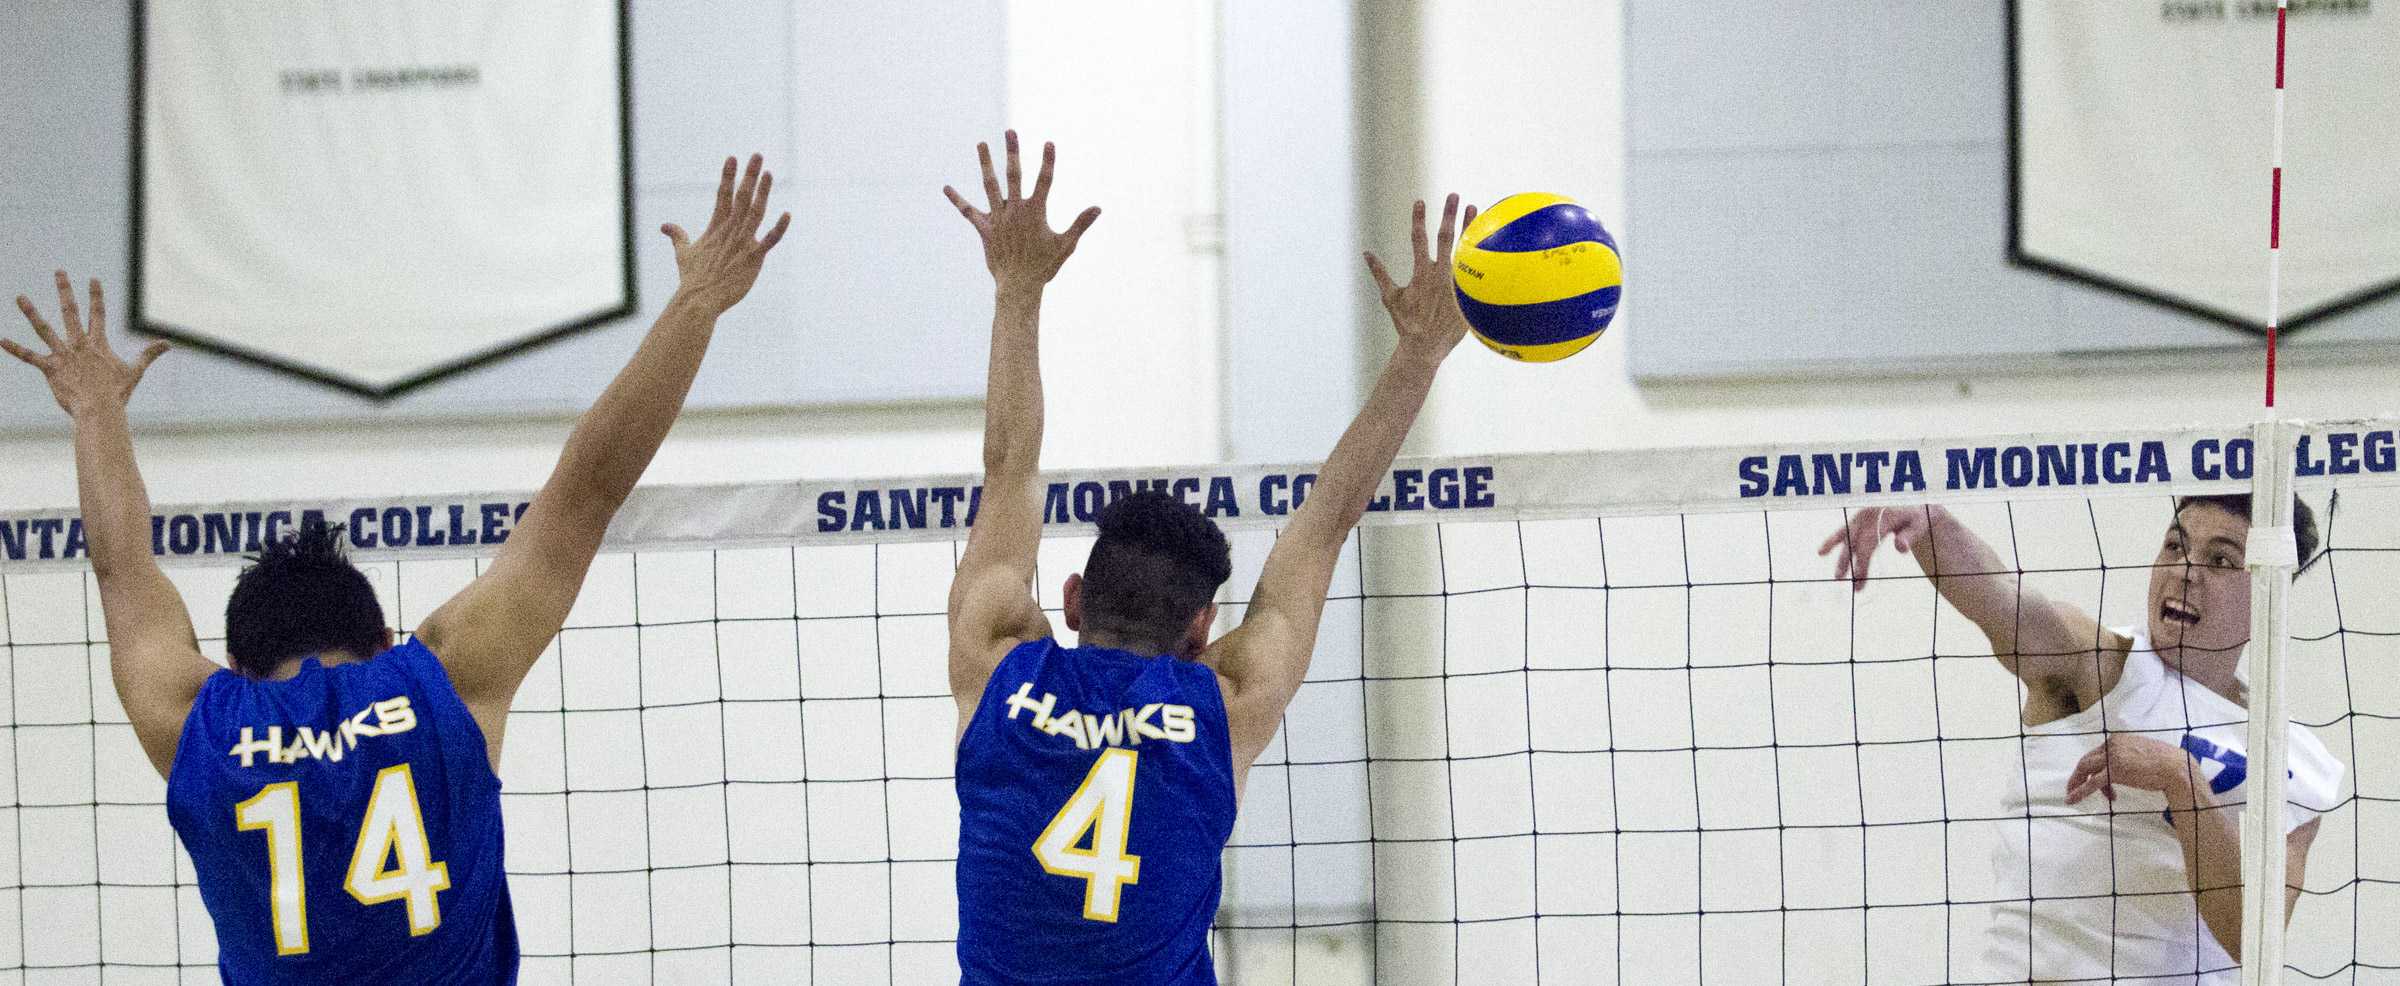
x=412, y=653
x=416, y=659
x=2120, y=663
x=1024, y=658
x=1019, y=663
x=2315, y=770
x=1240, y=671
x=2120, y=640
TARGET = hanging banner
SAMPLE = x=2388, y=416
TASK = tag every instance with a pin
x=2141, y=151
x=373, y=195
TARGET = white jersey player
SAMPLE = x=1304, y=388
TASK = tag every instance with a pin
x=2143, y=886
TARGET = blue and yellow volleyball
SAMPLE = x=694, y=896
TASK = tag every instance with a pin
x=1537, y=277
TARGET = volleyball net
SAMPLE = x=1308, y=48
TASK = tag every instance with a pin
x=1583, y=718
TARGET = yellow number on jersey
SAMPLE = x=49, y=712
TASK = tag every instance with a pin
x=276, y=808
x=1103, y=806
x=394, y=829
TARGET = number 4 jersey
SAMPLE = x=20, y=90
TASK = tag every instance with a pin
x=1095, y=796
x=345, y=826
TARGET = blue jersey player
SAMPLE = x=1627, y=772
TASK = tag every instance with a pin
x=336, y=793
x=1097, y=783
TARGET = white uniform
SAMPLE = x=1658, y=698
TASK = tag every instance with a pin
x=2108, y=900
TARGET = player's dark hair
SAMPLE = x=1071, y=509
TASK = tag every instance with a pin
x=2304, y=520
x=1158, y=562
x=300, y=596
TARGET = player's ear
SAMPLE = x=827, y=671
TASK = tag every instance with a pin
x=1072, y=596
x=1195, y=634
x=389, y=640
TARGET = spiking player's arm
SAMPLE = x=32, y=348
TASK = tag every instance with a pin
x=1264, y=660
x=2048, y=644
x=491, y=633
x=992, y=607
x=2208, y=828
x=153, y=656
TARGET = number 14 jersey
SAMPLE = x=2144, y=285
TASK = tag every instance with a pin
x=1095, y=797
x=345, y=826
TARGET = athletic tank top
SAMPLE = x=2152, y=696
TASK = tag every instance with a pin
x=2108, y=898
x=1095, y=797
x=345, y=826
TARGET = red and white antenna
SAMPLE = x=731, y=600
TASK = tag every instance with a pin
x=2272, y=559
x=2275, y=210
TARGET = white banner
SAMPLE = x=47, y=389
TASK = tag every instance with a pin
x=1631, y=482
x=2142, y=149
x=374, y=193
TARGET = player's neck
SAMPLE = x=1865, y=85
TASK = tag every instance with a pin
x=289, y=667
x=2219, y=679
x=1110, y=641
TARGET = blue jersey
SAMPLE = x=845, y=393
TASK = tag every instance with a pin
x=1095, y=796
x=345, y=826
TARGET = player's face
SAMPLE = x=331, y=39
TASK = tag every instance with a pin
x=2200, y=593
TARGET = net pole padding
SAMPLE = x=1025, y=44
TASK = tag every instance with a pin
x=2272, y=556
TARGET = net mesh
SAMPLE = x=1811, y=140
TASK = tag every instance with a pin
x=1628, y=749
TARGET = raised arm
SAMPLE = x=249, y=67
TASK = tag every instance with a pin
x=2047, y=644
x=1263, y=661
x=153, y=656
x=992, y=607
x=490, y=634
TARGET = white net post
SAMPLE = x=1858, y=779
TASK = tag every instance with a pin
x=2272, y=557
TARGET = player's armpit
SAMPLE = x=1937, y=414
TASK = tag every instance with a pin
x=489, y=635
x=154, y=655
x=154, y=660
x=2058, y=649
x=1259, y=668
x=2295, y=863
x=992, y=607
x=1262, y=662
x=992, y=610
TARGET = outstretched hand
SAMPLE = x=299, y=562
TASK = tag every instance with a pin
x=85, y=372
x=1425, y=310
x=1019, y=246
x=718, y=268
x=1865, y=531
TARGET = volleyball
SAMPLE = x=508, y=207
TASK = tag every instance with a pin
x=1537, y=276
